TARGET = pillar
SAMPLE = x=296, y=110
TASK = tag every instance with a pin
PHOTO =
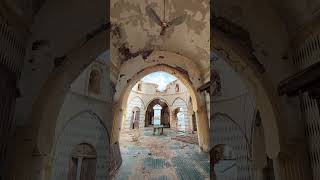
x=203, y=128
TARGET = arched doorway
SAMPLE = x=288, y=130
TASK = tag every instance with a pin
x=139, y=68
x=181, y=116
x=135, y=118
x=159, y=112
x=164, y=113
x=83, y=163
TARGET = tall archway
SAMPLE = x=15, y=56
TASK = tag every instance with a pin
x=173, y=64
x=165, y=116
x=238, y=58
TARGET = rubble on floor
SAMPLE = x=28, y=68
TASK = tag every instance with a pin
x=161, y=157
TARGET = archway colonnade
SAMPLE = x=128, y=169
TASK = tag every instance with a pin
x=169, y=105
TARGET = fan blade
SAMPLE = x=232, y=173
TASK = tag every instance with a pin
x=177, y=21
x=153, y=15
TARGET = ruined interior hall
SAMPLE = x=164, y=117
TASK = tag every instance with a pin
x=159, y=90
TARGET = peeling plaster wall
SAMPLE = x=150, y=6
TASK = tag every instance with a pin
x=136, y=45
x=137, y=31
x=62, y=31
x=270, y=44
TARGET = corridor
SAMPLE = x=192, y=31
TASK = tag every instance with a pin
x=152, y=157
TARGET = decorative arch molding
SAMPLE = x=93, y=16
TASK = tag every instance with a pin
x=67, y=138
x=81, y=113
x=217, y=114
x=160, y=67
x=177, y=98
x=140, y=99
x=157, y=98
x=136, y=108
x=238, y=58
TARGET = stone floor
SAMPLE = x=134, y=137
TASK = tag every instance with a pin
x=150, y=157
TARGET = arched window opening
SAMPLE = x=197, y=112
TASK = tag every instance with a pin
x=94, y=82
x=177, y=88
x=135, y=118
x=83, y=163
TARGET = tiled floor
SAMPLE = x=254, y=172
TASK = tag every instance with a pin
x=160, y=158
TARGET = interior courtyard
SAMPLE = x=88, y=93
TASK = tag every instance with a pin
x=240, y=101
x=159, y=132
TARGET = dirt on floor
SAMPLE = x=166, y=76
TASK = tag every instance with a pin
x=161, y=157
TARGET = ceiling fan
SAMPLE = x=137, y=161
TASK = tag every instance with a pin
x=163, y=23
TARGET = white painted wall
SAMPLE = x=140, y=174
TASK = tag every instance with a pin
x=84, y=128
x=82, y=119
x=232, y=118
x=132, y=103
x=180, y=103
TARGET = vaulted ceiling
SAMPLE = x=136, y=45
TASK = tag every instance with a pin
x=134, y=30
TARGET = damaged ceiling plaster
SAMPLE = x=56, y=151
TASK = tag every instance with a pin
x=134, y=33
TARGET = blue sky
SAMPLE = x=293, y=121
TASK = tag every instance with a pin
x=160, y=78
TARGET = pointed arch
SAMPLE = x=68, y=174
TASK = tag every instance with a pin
x=128, y=121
